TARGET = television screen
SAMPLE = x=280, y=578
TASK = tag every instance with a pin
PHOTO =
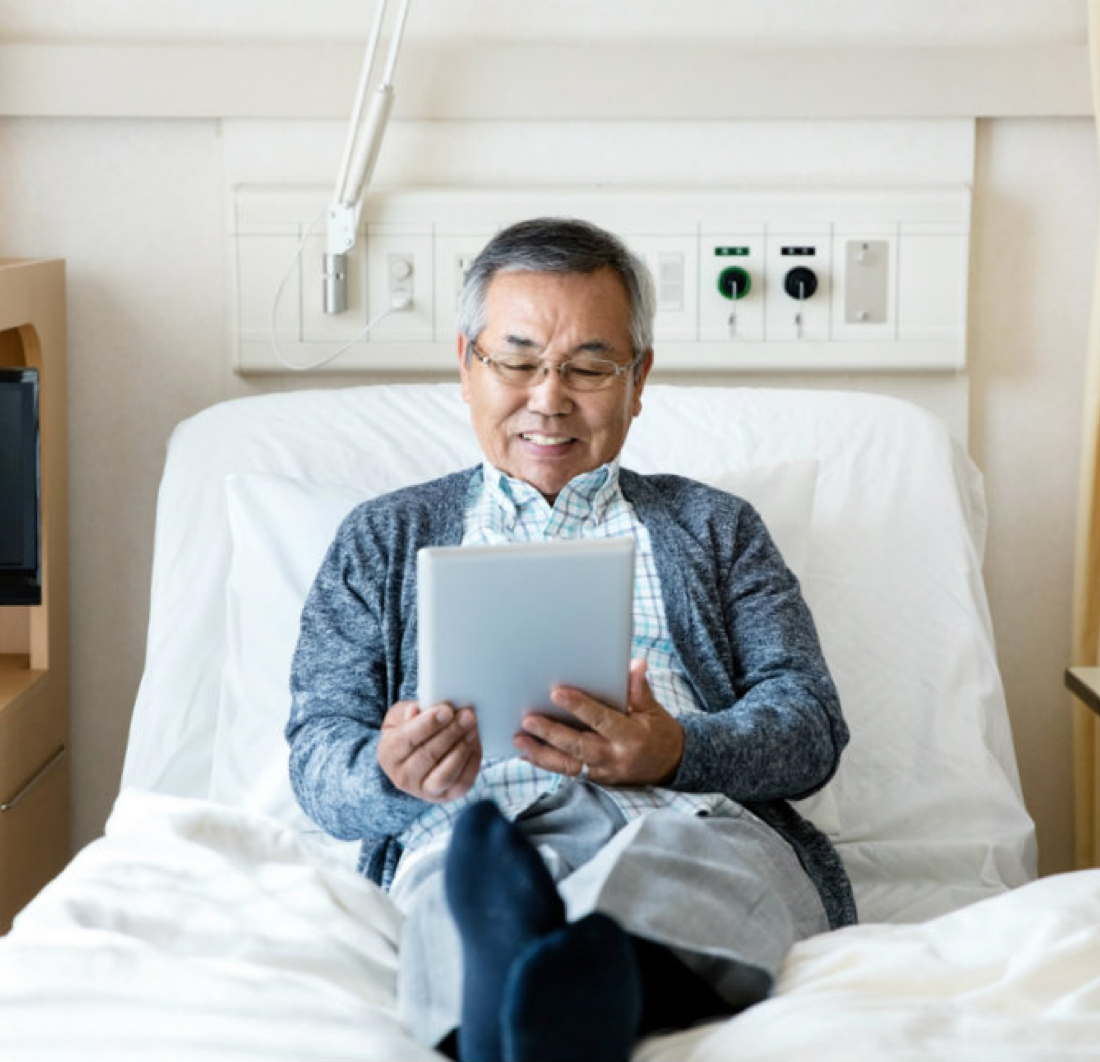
x=20, y=517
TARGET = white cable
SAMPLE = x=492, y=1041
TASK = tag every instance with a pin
x=295, y=262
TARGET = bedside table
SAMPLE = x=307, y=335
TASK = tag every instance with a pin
x=1084, y=684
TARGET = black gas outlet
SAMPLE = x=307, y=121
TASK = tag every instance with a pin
x=800, y=283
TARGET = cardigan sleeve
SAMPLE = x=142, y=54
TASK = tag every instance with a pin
x=356, y=658
x=772, y=726
x=341, y=688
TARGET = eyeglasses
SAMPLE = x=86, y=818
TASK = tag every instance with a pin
x=582, y=373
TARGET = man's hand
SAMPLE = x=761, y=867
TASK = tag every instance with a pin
x=642, y=746
x=433, y=754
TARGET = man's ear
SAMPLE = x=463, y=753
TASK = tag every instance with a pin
x=640, y=375
x=464, y=366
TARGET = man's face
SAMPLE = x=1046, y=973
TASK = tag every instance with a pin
x=548, y=434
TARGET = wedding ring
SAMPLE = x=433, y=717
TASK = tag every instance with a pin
x=582, y=774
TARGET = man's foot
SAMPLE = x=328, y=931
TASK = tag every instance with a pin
x=503, y=899
x=573, y=996
x=675, y=997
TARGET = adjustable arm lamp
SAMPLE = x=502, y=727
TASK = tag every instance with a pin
x=360, y=153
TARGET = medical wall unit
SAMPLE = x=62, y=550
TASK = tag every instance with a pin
x=34, y=639
x=776, y=279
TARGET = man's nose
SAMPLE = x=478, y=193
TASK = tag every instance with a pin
x=549, y=395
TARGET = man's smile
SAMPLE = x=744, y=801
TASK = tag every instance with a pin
x=539, y=439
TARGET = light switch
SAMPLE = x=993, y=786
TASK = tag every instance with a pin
x=670, y=281
x=672, y=260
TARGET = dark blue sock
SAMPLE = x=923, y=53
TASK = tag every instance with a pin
x=503, y=899
x=675, y=997
x=573, y=996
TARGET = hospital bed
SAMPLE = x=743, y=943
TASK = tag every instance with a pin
x=213, y=921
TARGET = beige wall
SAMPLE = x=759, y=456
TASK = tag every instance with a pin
x=1033, y=254
x=136, y=209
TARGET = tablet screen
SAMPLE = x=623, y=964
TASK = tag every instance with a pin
x=500, y=626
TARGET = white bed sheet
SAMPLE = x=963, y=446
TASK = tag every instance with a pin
x=196, y=932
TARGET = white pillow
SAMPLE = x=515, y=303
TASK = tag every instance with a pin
x=280, y=530
x=783, y=494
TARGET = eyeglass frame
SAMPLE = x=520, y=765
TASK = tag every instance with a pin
x=545, y=364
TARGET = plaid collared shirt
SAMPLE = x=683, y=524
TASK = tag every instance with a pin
x=502, y=509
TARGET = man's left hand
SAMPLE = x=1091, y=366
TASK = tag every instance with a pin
x=641, y=746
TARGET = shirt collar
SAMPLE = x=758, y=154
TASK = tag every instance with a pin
x=586, y=496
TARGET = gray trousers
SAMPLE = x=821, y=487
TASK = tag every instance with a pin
x=726, y=894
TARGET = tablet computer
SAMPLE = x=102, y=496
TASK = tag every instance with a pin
x=500, y=626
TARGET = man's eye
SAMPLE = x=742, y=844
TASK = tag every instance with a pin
x=590, y=371
x=518, y=368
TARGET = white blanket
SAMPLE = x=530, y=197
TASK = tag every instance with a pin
x=193, y=931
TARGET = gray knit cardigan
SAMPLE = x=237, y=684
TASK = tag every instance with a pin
x=772, y=729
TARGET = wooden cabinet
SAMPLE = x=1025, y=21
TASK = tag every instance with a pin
x=34, y=639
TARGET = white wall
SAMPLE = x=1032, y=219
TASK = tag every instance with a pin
x=1033, y=256
x=136, y=209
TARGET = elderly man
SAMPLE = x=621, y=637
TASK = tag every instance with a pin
x=644, y=871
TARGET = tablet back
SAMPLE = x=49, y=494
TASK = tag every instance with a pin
x=499, y=626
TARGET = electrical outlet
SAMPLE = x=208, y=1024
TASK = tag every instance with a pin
x=400, y=291
x=402, y=274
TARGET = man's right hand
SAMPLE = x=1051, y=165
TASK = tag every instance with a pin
x=433, y=754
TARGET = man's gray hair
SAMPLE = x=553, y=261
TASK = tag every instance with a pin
x=559, y=245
